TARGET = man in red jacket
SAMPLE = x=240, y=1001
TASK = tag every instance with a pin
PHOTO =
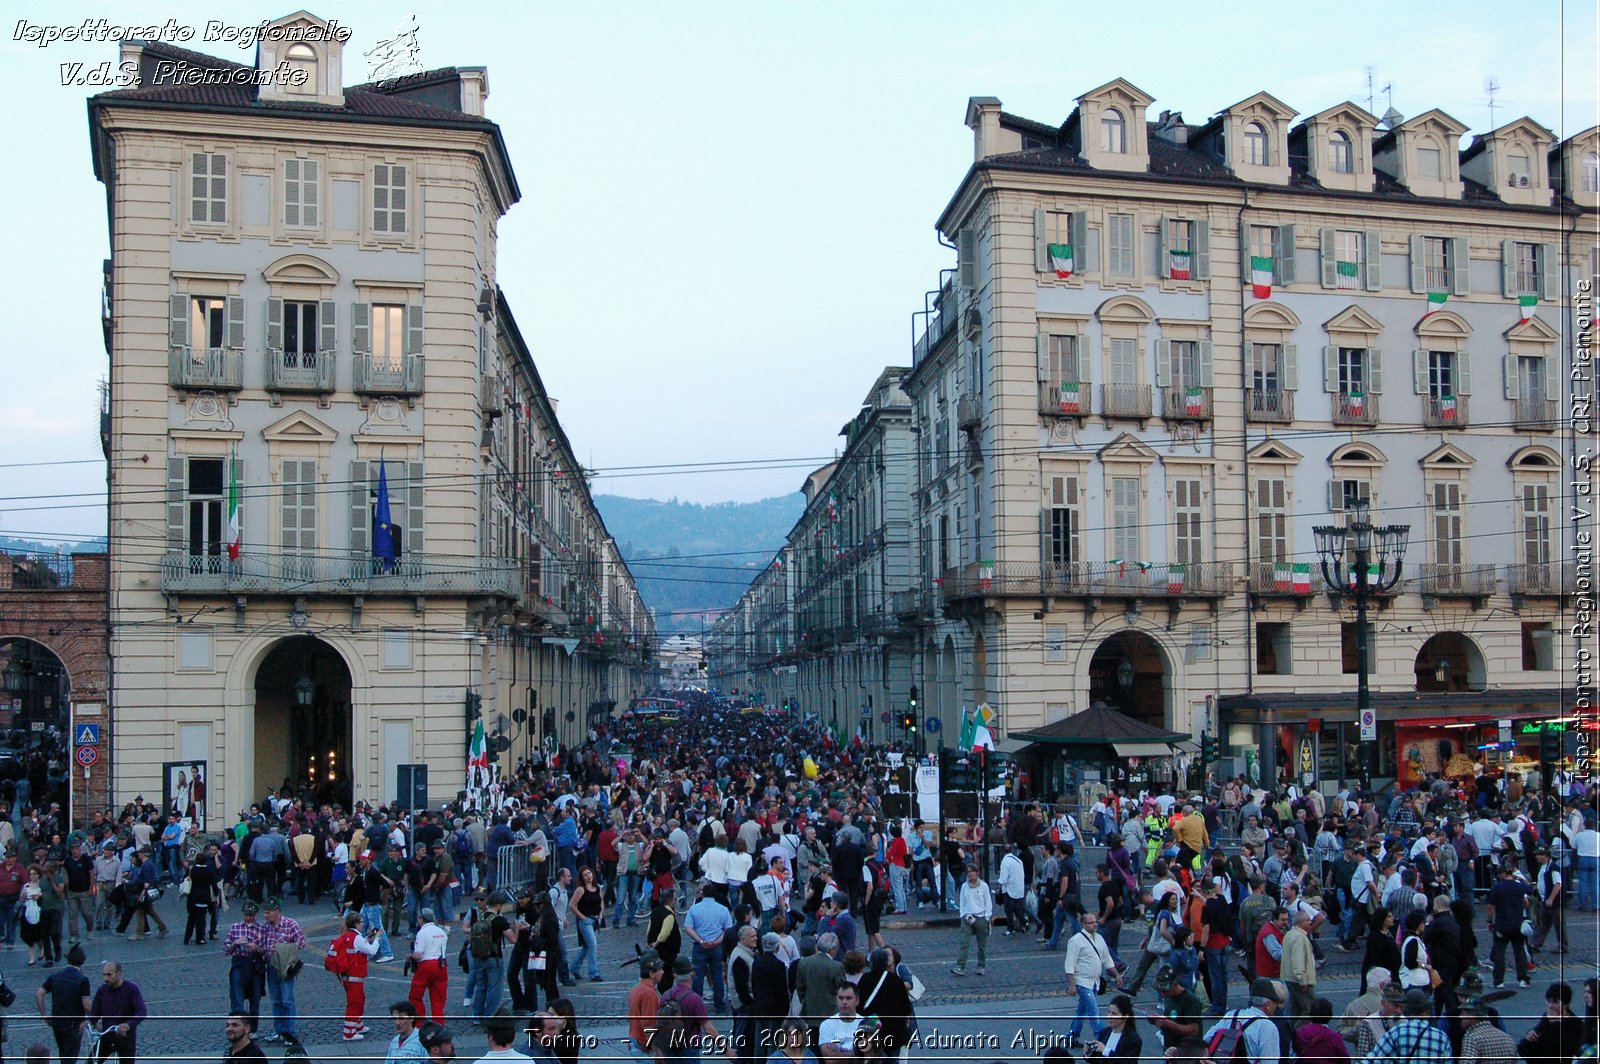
x=347, y=958
x=1269, y=945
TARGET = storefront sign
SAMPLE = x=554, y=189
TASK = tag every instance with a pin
x=1307, y=758
x=1540, y=727
x=1505, y=731
x=1369, y=725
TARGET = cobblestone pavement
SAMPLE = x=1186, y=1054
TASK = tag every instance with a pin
x=1005, y=1015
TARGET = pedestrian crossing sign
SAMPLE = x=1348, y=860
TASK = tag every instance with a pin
x=86, y=735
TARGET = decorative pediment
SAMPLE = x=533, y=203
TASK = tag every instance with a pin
x=1353, y=319
x=1447, y=456
x=1345, y=113
x=1271, y=450
x=1444, y=324
x=1434, y=121
x=1536, y=458
x=1525, y=129
x=1270, y=316
x=1125, y=308
x=299, y=427
x=1126, y=448
x=1263, y=103
x=1534, y=331
x=311, y=50
x=301, y=269
x=1119, y=90
x=1357, y=454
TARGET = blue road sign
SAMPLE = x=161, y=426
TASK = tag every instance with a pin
x=86, y=735
x=932, y=724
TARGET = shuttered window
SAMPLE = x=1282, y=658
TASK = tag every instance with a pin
x=208, y=188
x=406, y=500
x=208, y=323
x=388, y=336
x=1062, y=522
x=1124, y=362
x=1125, y=519
x=1272, y=520
x=298, y=505
x=1536, y=524
x=300, y=200
x=389, y=205
x=206, y=521
x=1447, y=544
x=1186, y=510
x=1120, y=234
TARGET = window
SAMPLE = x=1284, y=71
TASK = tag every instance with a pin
x=1441, y=374
x=1527, y=269
x=1436, y=263
x=1349, y=649
x=204, y=501
x=1062, y=355
x=1519, y=171
x=1535, y=524
x=208, y=321
x=1264, y=241
x=1350, y=491
x=1185, y=364
x=1124, y=362
x=1348, y=254
x=1430, y=164
x=300, y=193
x=1447, y=543
x=1538, y=646
x=1353, y=376
x=1120, y=236
x=388, y=336
x=1186, y=508
x=388, y=198
x=302, y=63
x=1341, y=152
x=1532, y=384
x=299, y=506
x=208, y=188
x=1273, y=649
x=1265, y=368
x=1125, y=519
x=1591, y=172
x=300, y=334
x=1272, y=520
x=1180, y=263
x=1062, y=527
x=1113, y=132
x=1255, y=144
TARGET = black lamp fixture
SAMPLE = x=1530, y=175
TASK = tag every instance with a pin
x=1125, y=674
x=1441, y=671
x=16, y=677
x=304, y=691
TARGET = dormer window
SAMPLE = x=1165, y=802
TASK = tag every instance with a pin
x=1518, y=169
x=1430, y=164
x=302, y=63
x=1342, y=152
x=1591, y=172
x=1113, y=132
x=1255, y=144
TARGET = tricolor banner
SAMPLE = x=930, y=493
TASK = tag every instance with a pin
x=1302, y=578
x=1357, y=402
x=1261, y=276
x=1345, y=274
x=1175, y=576
x=1282, y=576
x=1178, y=264
x=1061, y=259
x=1194, y=403
x=235, y=542
x=985, y=575
x=1526, y=306
x=1071, y=401
x=1436, y=302
x=1447, y=407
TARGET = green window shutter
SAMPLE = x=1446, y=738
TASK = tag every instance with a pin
x=1041, y=241
x=1283, y=263
x=1374, y=371
x=178, y=321
x=289, y=504
x=235, y=322
x=1330, y=370
x=1463, y=372
x=274, y=324
x=1043, y=350
x=1508, y=268
x=308, y=192
x=361, y=508
x=1202, y=249
x=1078, y=227
x=1335, y=495
x=1330, y=258
x=1291, y=367
x=1203, y=361
x=328, y=333
x=1549, y=270
x=1163, y=242
x=291, y=192
x=1372, y=267
x=1460, y=261
x=1163, y=363
x=361, y=328
x=1419, y=372
x=414, y=508
x=1508, y=367
x=177, y=490
x=1080, y=347
x=413, y=329
x=967, y=258
x=483, y=349
x=1419, y=263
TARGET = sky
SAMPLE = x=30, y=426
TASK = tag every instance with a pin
x=728, y=208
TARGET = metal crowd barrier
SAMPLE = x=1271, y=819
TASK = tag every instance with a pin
x=512, y=869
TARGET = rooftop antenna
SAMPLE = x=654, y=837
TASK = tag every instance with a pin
x=1491, y=85
x=1369, y=89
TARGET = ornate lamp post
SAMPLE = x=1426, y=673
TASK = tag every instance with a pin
x=1348, y=562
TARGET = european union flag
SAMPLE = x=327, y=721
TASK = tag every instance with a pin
x=385, y=537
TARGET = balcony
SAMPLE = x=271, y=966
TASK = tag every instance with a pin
x=400, y=376
x=968, y=412
x=292, y=371
x=909, y=605
x=491, y=399
x=1449, y=412
x=328, y=574
x=217, y=369
x=1271, y=404
x=1064, y=398
x=1541, y=580
x=1285, y=580
x=1088, y=580
x=1536, y=415
x=878, y=621
x=1125, y=400
x=1355, y=409
x=1440, y=580
x=1186, y=403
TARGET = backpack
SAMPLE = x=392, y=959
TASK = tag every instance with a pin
x=1228, y=1043
x=336, y=960
x=480, y=939
x=462, y=850
x=670, y=1022
x=1228, y=924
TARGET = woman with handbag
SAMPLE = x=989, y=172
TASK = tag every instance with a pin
x=200, y=895
x=521, y=981
x=1415, y=971
x=544, y=953
x=885, y=995
x=31, y=925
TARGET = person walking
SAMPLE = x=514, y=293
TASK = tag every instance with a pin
x=140, y=894
x=118, y=1009
x=586, y=906
x=1299, y=967
x=79, y=869
x=281, y=939
x=977, y=912
x=69, y=995
x=52, y=908
x=247, y=971
x=817, y=976
x=1088, y=964
x=1549, y=891
x=1217, y=926
x=643, y=1001
x=1508, y=906
x=431, y=975
x=202, y=895
x=348, y=957
x=487, y=939
x=1014, y=891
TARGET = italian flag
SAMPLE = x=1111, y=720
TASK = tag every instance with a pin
x=1302, y=578
x=1175, y=574
x=1436, y=301
x=234, y=541
x=1194, y=402
x=1261, y=276
x=477, y=757
x=1070, y=400
x=1282, y=576
x=1357, y=403
x=1372, y=575
x=1178, y=264
x=1345, y=273
x=1061, y=259
x=1527, y=305
x=1447, y=407
x=985, y=574
x=975, y=734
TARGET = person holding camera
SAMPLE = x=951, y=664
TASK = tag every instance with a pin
x=1119, y=1039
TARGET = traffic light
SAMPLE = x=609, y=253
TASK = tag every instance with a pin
x=908, y=721
x=913, y=698
x=1208, y=749
x=1550, y=744
x=474, y=706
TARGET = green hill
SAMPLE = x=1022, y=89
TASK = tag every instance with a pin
x=691, y=560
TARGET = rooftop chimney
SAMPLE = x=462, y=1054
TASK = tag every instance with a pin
x=1172, y=128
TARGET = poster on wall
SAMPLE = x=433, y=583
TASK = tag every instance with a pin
x=184, y=791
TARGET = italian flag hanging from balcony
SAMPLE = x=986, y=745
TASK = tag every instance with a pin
x=477, y=758
x=1357, y=403
x=1372, y=575
x=1436, y=302
x=1061, y=260
x=1194, y=402
x=1175, y=576
x=1071, y=403
x=1345, y=273
x=985, y=575
x=1447, y=407
x=1282, y=576
x=1526, y=306
x=1178, y=264
x=234, y=542
x=1261, y=276
x=1302, y=578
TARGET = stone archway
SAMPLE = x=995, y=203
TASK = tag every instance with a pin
x=1128, y=672
x=304, y=722
x=34, y=718
x=1450, y=661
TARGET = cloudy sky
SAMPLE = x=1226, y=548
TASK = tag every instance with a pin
x=728, y=208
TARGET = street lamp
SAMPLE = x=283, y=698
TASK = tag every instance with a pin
x=16, y=677
x=304, y=691
x=1347, y=562
x=1125, y=678
x=1441, y=671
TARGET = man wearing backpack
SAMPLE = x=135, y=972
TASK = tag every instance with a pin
x=1248, y=1035
x=1217, y=927
x=486, y=943
x=682, y=1025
